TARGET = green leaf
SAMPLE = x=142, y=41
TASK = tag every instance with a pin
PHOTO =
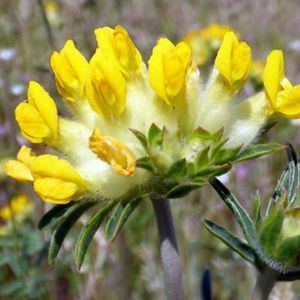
x=293, y=176
x=258, y=150
x=212, y=171
x=88, y=231
x=155, y=135
x=257, y=215
x=182, y=190
x=202, y=158
x=178, y=169
x=288, y=251
x=64, y=227
x=141, y=137
x=231, y=241
x=271, y=229
x=120, y=215
x=239, y=212
x=145, y=163
x=200, y=134
x=54, y=215
x=226, y=155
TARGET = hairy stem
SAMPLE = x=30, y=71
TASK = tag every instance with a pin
x=168, y=248
x=264, y=284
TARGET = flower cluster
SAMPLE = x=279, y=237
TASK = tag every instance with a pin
x=116, y=101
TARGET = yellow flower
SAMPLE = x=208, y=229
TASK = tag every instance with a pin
x=284, y=98
x=106, y=87
x=20, y=168
x=118, y=43
x=18, y=207
x=112, y=151
x=168, y=68
x=233, y=61
x=205, y=42
x=37, y=118
x=71, y=70
x=54, y=179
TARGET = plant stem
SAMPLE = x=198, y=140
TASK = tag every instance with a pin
x=264, y=284
x=168, y=248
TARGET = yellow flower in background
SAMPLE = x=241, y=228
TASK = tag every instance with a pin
x=168, y=68
x=233, y=61
x=18, y=207
x=124, y=114
x=52, y=12
x=205, y=42
x=282, y=95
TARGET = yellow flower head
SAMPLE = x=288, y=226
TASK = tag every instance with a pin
x=18, y=207
x=284, y=98
x=233, y=61
x=118, y=43
x=106, y=87
x=37, y=118
x=71, y=70
x=136, y=123
x=112, y=151
x=168, y=68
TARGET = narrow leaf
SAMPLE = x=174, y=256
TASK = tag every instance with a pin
x=64, y=227
x=155, y=135
x=212, y=171
x=178, y=169
x=145, y=163
x=182, y=190
x=120, y=215
x=239, y=212
x=87, y=233
x=141, y=137
x=231, y=241
x=53, y=215
x=271, y=229
x=259, y=150
x=293, y=179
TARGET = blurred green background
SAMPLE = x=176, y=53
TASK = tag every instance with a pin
x=130, y=268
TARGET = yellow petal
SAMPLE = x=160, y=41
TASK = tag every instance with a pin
x=241, y=62
x=168, y=67
x=71, y=70
x=112, y=151
x=273, y=75
x=118, y=42
x=49, y=171
x=288, y=102
x=38, y=118
x=55, y=190
x=233, y=61
x=106, y=88
x=223, y=60
x=25, y=155
x=18, y=171
x=31, y=123
x=44, y=104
